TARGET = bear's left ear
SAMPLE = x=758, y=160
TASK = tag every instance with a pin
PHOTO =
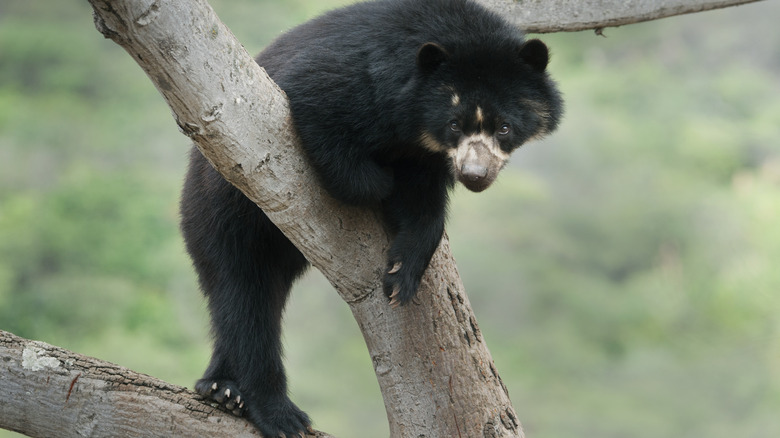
x=535, y=54
x=430, y=56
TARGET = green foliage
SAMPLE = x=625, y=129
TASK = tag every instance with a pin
x=623, y=272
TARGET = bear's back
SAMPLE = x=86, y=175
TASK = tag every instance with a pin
x=384, y=33
x=355, y=68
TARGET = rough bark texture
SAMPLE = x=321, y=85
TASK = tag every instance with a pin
x=51, y=392
x=543, y=16
x=435, y=372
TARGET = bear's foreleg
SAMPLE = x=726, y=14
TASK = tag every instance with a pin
x=415, y=212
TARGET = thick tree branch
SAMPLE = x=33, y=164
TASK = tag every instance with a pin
x=47, y=391
x=435, y=372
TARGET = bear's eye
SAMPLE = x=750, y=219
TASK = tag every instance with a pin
x=504, y=129
x=455, y=126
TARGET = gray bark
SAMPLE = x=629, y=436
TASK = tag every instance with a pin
x=544, y=16
x=434, y=369
x=51, y=392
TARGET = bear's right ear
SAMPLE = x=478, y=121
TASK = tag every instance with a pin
x=430, y=56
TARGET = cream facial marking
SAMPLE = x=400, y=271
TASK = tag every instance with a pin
x=430, y=143
x=479, y=116
x=487, y=140
x=455, y=99
x=466, y=149
x=477, y=160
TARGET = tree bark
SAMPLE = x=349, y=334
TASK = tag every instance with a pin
x=51, y=392
x=544, y=16
x=434, y=369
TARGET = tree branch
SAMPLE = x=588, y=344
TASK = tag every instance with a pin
x=47, y=391
x=566, y=15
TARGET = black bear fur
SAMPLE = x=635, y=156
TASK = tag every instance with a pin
x=393, y=101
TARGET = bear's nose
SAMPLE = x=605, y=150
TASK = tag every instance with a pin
x=473, y=172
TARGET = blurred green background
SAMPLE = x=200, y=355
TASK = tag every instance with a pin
x=625, y=272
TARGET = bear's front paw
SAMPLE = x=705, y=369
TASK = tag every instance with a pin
x=400, y=283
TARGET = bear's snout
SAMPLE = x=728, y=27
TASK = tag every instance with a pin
x=477, y=163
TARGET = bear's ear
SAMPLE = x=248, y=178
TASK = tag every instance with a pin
x=535, y=54
x=430, y=56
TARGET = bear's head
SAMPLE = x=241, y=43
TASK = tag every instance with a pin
x=481, y=103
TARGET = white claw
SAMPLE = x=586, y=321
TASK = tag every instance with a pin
x=241, y=405
x=214, y=386
x=227, y=393
x=238, y=400
x=396, y=267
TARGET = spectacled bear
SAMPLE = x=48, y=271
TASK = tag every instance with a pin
x=393, y=101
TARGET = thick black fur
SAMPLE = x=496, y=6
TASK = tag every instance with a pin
x=365, y=86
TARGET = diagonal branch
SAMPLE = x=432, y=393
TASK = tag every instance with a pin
x=434, y=370
x=544, y=16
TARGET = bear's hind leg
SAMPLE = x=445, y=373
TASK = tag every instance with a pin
x=246, y=374
x=246, y=267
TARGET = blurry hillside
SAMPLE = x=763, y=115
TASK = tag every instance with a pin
x=624, y=272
